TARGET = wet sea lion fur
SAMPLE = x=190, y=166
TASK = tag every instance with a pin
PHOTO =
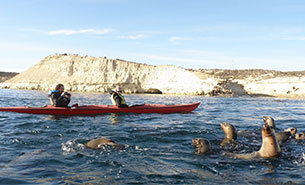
x=202, y=145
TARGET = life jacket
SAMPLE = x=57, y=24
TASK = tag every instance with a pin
x=120, y=97
x=57, y=100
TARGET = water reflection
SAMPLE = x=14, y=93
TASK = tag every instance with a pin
x=115, y=118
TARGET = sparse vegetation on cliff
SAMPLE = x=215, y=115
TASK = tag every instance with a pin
x=6, y=76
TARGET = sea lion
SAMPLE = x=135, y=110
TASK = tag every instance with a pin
x=230, y=133
x=285, y=135
x=300, y=136
x=100, y=142
x=202, y=146
x=269, y=148
x=281, y=136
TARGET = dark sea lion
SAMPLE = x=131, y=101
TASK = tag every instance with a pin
x=202, y=146
x=100, y=142
x=230, y=133
x=269, y=148
x=284, y=136
x=229, y=130
x=300, y=136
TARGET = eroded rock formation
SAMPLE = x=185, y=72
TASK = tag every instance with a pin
x=89, y=74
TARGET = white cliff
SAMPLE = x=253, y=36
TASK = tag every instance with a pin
x=257, y=82
x=89, y=74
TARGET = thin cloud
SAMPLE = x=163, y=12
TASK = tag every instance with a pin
x=81, y=31
x=175, y=39
x=133, y=37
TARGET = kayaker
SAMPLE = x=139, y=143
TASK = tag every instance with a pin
x=117, y=98
x=58, y=97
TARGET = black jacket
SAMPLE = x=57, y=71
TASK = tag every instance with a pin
x=59, y=100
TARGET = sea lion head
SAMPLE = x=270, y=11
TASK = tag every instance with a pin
x=267, y=130
x=229, y=130
x=270, y=121
x=292, y=131
x=201, y=145
x=300, y=136
x=99, y=142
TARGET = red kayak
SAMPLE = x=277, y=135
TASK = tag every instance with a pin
x=101, y=109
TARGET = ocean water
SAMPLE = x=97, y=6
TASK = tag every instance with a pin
x=41, y=149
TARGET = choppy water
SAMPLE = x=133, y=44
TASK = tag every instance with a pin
x=40, y=149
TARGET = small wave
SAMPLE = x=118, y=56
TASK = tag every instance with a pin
x=71, y=146
x=301, y=160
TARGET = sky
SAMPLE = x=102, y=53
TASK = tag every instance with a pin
x=197, y=34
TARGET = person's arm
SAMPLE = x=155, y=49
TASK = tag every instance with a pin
x=50, y=95
x=111, y=92
x=55, y=98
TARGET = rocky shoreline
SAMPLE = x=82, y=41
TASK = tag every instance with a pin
x=90, y=74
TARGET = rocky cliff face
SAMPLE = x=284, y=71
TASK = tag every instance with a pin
x=257, y=82
x=89, y=74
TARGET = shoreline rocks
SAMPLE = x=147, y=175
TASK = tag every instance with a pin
x=90, y=74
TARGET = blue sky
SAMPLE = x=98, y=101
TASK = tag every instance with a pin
x=223, y=34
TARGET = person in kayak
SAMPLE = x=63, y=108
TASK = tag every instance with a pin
x=58, y=97
x=117, y=98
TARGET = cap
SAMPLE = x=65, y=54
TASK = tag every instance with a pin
x=118, y=89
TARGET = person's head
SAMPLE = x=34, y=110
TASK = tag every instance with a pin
x=60, y=87
x=118, y=90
